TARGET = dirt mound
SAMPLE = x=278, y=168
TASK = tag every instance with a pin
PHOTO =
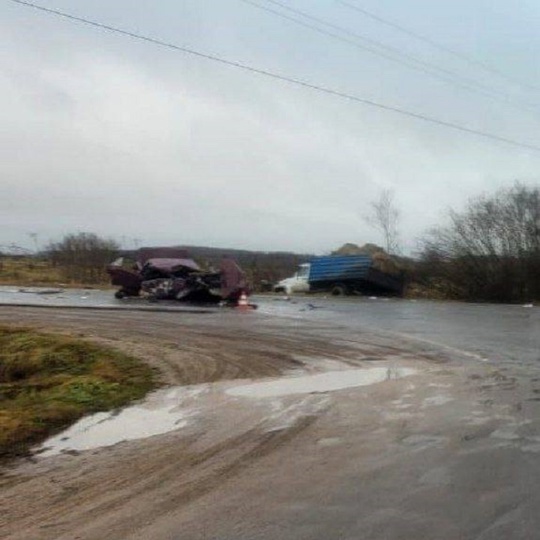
x=381, y=260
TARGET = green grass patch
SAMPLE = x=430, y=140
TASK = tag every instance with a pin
x=48, y=381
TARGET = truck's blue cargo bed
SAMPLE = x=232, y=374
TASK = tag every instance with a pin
x=341, y=268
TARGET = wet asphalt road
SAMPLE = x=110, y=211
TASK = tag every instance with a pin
x=496, y=333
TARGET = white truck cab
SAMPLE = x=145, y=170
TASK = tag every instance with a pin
x=297, y=283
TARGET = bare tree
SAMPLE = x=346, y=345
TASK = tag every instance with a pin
x=384, y=216
x=83, y=256
x=491, y=250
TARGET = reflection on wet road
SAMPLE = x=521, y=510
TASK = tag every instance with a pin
x=321, y=382
x=484, y=331
x=501, y=333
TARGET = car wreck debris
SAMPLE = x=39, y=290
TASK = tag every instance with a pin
x=170, y=274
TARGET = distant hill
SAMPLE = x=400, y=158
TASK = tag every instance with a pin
x=268, y=267
x=262, y=267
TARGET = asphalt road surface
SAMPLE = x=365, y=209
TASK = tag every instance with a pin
x=306, y=419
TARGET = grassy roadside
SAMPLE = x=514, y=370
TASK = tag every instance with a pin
x=26, y=271
x=31, y=272
x=48, y=381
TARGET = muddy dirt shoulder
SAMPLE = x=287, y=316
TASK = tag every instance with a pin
x=192, y=348
x=445, y=405
x=439, y=406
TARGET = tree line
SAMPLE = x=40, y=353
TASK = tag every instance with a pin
x=488, y=251
x=83, y=257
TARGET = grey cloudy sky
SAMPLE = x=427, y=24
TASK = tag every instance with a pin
x=103, y=133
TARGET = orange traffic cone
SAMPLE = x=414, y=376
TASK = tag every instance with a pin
x=243, y=301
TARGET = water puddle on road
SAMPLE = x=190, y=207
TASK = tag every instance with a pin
x=321, y=382
x=168, y=410
x=161, y=413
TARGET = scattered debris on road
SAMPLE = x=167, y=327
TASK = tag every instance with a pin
x=41, y=291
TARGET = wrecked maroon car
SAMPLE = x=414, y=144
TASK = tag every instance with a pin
x=170, y=274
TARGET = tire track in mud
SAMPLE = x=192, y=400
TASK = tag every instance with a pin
x=207, y=471
x=105, y=493
x=166, y=483
x=197, y=350
x=185, y=354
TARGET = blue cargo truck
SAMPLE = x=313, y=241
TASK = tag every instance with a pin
x=342, y=275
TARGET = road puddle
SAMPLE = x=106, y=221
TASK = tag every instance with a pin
x=168, y=410
x=161, y=413
x=321, y=382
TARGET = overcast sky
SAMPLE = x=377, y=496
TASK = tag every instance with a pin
x=107, y=134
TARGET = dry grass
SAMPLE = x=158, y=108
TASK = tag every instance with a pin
x=28, y=271
x=49, y=381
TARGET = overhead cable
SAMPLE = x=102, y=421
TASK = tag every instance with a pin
x=393, y=54
x=437, y=45
x=277, y=76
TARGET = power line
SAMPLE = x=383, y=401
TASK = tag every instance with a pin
x=439, y=46
x=284, y=78
x=394, y=55
x=341, y=38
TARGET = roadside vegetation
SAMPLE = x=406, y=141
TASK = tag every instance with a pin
x=29, y=271
x=80, y=260
x=48, y=381
x=489, y=251
x=83, y=257
x=77, y=260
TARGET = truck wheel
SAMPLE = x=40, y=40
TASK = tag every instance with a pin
x=120, y=294
x=339, y=290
